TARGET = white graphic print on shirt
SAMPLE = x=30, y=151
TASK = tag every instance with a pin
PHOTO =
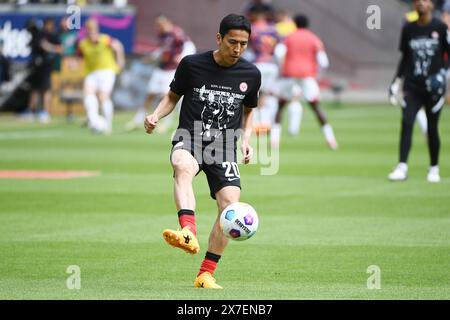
x=424, y=49
x=219, y=108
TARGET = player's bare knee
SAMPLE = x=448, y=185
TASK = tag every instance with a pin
x=184, y=172
x=183, y=166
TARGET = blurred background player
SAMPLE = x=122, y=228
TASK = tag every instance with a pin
x=174, y=44
x=395, y=92
x=103, y=59
x=424, y=46
x=305, y=55
x=263, y=41
x=285, y=25
x=45, y=48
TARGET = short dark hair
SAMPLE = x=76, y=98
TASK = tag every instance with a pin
x=301, y=21
x=234, y=22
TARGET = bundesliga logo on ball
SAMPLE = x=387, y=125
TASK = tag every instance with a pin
x=239, y=221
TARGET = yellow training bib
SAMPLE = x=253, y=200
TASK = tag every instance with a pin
x=99, y=55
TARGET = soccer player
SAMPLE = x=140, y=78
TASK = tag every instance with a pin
x=174, y=44
x=423, y=44
x=220, y=89
x=396, y=95
x=263, y=41
x=305, y=56
x=285, y=26
x=103, y=59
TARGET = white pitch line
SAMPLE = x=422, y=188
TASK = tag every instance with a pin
x=17, y=135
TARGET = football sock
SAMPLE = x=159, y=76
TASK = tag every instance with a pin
x=209, y=264
x=269, y=110
x=256, y=116
x=295, y=111
x=108, y=112
x=275, y=134
x=328, y=132
x=186, y=218
x=264, y=115
x=91, y=106
x=272, y=105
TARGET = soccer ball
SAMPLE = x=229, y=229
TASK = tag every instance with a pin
x=239, y=221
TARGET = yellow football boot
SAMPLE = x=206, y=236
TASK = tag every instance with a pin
x=183, y=239
x=207, y=281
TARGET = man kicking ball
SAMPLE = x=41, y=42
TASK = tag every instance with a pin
x=220, y=90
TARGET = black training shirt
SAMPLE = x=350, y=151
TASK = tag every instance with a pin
x=214, y=95
x=423, y=49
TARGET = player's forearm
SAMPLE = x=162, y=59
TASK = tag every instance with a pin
x=120, y=58
x=247, y=124
x=119, y=53
x=167, y=105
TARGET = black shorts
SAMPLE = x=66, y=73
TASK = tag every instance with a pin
x=216, y=160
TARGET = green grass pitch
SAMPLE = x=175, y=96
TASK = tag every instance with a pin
x=325, y=217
